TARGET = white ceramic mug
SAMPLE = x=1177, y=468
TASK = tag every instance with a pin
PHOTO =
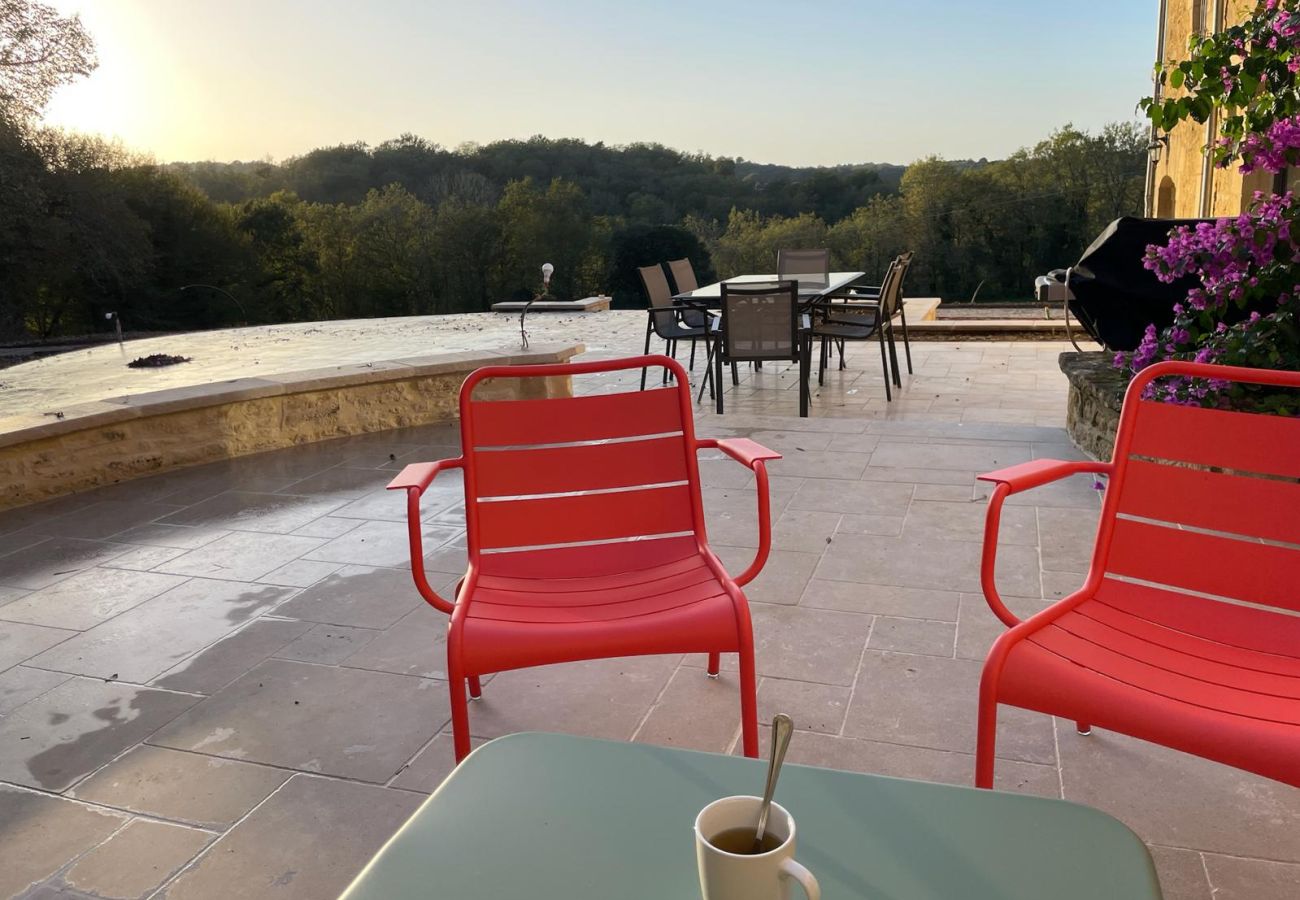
x=763, y=876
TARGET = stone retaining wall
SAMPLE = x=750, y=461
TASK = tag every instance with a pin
x=129, y=437
x=1096, y=396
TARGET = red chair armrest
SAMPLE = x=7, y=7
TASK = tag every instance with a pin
x=742, y=450
x=415, y=480
x=755, y=456
x=1028, y=475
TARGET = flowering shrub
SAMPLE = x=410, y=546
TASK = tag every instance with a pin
x=1243, y=313
x=1248, y=73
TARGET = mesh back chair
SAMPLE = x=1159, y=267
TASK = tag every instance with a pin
x=811, y=267
x=665, y=319
x=585, y=533
x=903, y=261
x=760, y=322
x=859, y=319
x=684, y=280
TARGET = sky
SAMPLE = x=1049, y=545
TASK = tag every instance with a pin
x=800, y=82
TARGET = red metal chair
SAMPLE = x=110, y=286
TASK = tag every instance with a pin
x=1184, y=633
x=586, y=534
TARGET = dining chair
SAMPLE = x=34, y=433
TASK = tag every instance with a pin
x=760, y=322
x=852, y=317
x=684, y=280
x=869, y=292
x=811, y=267
x=665, y=319
x=585, y=533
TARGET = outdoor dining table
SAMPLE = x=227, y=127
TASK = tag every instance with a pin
x=812, y=291
x=553, y=816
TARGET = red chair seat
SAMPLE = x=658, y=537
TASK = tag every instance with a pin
x=1120, y=662
x=669, y=601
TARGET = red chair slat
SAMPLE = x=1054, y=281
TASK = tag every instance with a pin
x=584, y=517
x=1141, y=674
x=486, y=607
x=1194, y=660
x=521, y=423
x=1181, y=641
x=1213, y=437
x=1242, y=570
x=577, y=568
x=585, y=467
x=1257, y=507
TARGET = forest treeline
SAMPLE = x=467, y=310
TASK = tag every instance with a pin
x=408, y=227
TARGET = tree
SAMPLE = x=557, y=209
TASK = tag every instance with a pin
x=39, y=51
x=555, y=226
x=646, y=245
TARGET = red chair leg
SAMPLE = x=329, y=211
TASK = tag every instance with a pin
x=475, y=688
x=715, y=664
x=459, y=711
x=1083, y=727
x=987, y=736
x=748, y=702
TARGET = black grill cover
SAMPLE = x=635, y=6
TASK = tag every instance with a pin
x=1115, y=296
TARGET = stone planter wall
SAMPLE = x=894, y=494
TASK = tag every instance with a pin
x=1096, y=395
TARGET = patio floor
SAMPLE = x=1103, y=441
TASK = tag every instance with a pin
x=209, y=677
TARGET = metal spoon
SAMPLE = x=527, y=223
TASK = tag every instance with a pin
x=781, y=729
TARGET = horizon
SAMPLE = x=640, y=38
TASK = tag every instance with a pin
x=412, y=68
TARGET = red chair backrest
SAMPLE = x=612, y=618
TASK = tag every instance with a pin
x=1202, y=498
x=578, y=470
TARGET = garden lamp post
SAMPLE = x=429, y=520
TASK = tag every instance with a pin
x=547, y=271
x=213, y=287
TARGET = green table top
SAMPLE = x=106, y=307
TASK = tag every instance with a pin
x=552, y=816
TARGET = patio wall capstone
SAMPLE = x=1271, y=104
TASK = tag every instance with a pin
x=144, y=434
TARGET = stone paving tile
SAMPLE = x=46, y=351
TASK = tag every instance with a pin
x=913, y=636
x=930, y=564
x=48, y=562
x=241, y=556
x=1057, y=585
x=182, y=537
x=21, y=684
x=75, y=728
x=978, y=628
x=431, y=765
x=186, y=787
x=1067, y=537
x=19, y=642
x=144, y=642
x=1182, y=874
x=88, y=598
x=925, y=764
x=277, y=850
x=895, y=475
x=882, y=600
x=605, y=698
x=42, y=833
x=329, y=644
x=414, y=645
x=783, y=577
x=886, y=526
x=340, y=483
x=249, y=511
x=1147, y=787
x=855, y=497
x=808, y=644
x=346, y=722
x=379, y=544
x=929, y=520
x=1235, y=878
x=326, y=527
x=695, y=712
x=218, y=665
x=979, y=457
x=925, y=701
x=814, y=707
x=142, y=559
x=102, y=520
x=137, y=859
x=360, y=596
x=299, y=573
